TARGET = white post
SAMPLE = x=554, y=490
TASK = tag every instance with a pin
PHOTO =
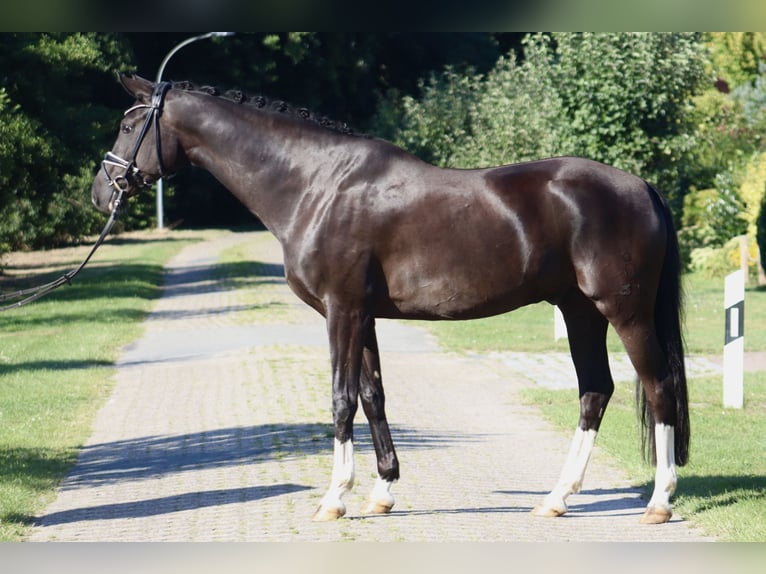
x=559, y=325
x=734, y=340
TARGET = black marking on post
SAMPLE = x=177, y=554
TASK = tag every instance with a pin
x=735, y=326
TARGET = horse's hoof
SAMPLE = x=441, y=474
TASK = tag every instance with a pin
x=547, y=512
x=328, y=514
x=655, y=515
x=378, y=508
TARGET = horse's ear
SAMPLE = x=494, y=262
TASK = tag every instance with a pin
x=136, y=86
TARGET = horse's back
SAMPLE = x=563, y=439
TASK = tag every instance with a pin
x=482, y=242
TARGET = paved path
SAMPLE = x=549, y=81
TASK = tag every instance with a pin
x=218, y=429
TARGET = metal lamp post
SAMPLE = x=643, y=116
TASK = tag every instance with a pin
x=160, y=187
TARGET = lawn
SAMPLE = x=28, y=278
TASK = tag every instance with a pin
x=57, y=355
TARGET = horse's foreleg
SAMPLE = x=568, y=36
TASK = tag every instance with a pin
x=373, y=402
x=346, y=334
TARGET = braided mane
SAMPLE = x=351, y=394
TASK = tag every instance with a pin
x=262, y=102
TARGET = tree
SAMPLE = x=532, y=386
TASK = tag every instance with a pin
x=627, y=99
x=739, y=60
x=468, y=119
x=735, y=56
x=54, y=122
x=624, y=99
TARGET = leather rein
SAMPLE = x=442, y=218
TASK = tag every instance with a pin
x=130, y=178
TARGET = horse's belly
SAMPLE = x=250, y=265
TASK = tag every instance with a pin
x=453, y=295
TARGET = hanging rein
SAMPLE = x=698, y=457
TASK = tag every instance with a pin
x=130, y=178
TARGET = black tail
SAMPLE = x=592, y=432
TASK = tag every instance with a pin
x=668, y=316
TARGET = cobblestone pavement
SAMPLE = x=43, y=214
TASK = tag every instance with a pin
x=218, y=428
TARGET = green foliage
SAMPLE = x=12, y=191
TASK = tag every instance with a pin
x=21, y=148
x=469, y=120
x=724, y=139
x=435, y=126
x=51, y=134
x=752, y=95
x=624, y=99
x=736, y=56
x=714, y=216
x=714, y=262
x=515, y=113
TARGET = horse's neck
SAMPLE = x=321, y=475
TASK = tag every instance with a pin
x=259, y=160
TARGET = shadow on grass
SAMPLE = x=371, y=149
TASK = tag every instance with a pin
x=103, y=287
x=106, y=282
x=708, y=492
x=29, y=272
x=52, y=365
x=36, y=470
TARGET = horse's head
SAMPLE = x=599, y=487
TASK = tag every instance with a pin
x=145, y=150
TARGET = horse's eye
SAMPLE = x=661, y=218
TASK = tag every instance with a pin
x=126, y=128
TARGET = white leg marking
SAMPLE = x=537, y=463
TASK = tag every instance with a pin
x=381, y=499
x=665, y=478
x=572, y=474
x=342, y=480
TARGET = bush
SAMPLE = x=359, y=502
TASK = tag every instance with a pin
x=715, y=262
x=52, y=127
x=624, y=99
x=711, y=217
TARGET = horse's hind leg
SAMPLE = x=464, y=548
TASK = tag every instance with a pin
x=373, y=403
x=586, y=327
x=645, y=353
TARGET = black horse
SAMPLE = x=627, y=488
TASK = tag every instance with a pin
x=369, y=231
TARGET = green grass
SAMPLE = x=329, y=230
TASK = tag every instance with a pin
x=723, y=487
x=56, y=358
x=705, y=315
x=531, y=328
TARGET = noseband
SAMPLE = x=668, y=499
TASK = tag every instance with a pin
x=131, y=176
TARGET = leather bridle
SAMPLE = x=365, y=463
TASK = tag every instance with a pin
x=132, y=178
